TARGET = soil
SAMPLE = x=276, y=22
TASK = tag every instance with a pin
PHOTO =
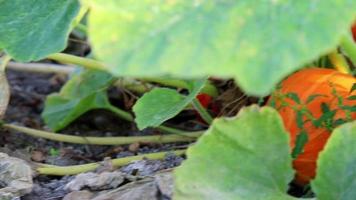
x=28, y=93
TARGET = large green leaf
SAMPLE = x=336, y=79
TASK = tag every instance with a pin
x=246, y=157
x=32, y=29
x=256, y=42
x=336, y=177
x=161, y=104
x=83, y=92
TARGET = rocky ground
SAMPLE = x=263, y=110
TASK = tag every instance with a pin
x=28, y=92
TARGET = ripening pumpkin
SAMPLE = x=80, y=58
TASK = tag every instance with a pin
x=305, y=83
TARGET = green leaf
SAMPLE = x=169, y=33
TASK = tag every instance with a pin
x=336, y=177
x=302, y=139
x=339, y=121
x=83, y=92
x=313, y=97
x=86, y=82
x=325, y=119
x=353, y=88
x=324, y=107
x=353, y=97
x=299, y=118
x=294, y=97
x=32, y=29
x=246, y=157
x=349, y=108
x=54, y=152
x=256, y=42
x=272, y=103
x=161, y=104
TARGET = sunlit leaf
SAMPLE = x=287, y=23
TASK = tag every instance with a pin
x=246, y=157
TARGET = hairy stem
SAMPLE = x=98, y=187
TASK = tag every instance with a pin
x=41, y=68
x=186, y=137
x=77, y=169
x=202, y=111
x=94, y=64
x=121, y=113
x=85, y=62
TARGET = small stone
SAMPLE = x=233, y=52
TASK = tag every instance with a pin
x=164, y=181
x=38, y=156
x=134, y=147
x=82, y=195
x=15, y=176
x=94, y=181
x=144, y=189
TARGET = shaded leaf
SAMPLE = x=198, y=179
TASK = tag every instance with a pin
x=83, y=92
x=32, y=29
x=60, y=111
x=256, y=42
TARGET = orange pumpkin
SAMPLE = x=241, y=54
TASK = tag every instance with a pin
x=305, y=83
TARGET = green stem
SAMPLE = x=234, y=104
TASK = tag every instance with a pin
x=172, y=130
x=121, y=113
x=349, y=46
x=202, y=111
x=85, y=62
x=208, y=88
x=134, y=85
x=128, y=117
x=186, y=137
x=77, y=169
x=82, y=28
x=339, y=62
x=82, y=12
x=41, y=68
